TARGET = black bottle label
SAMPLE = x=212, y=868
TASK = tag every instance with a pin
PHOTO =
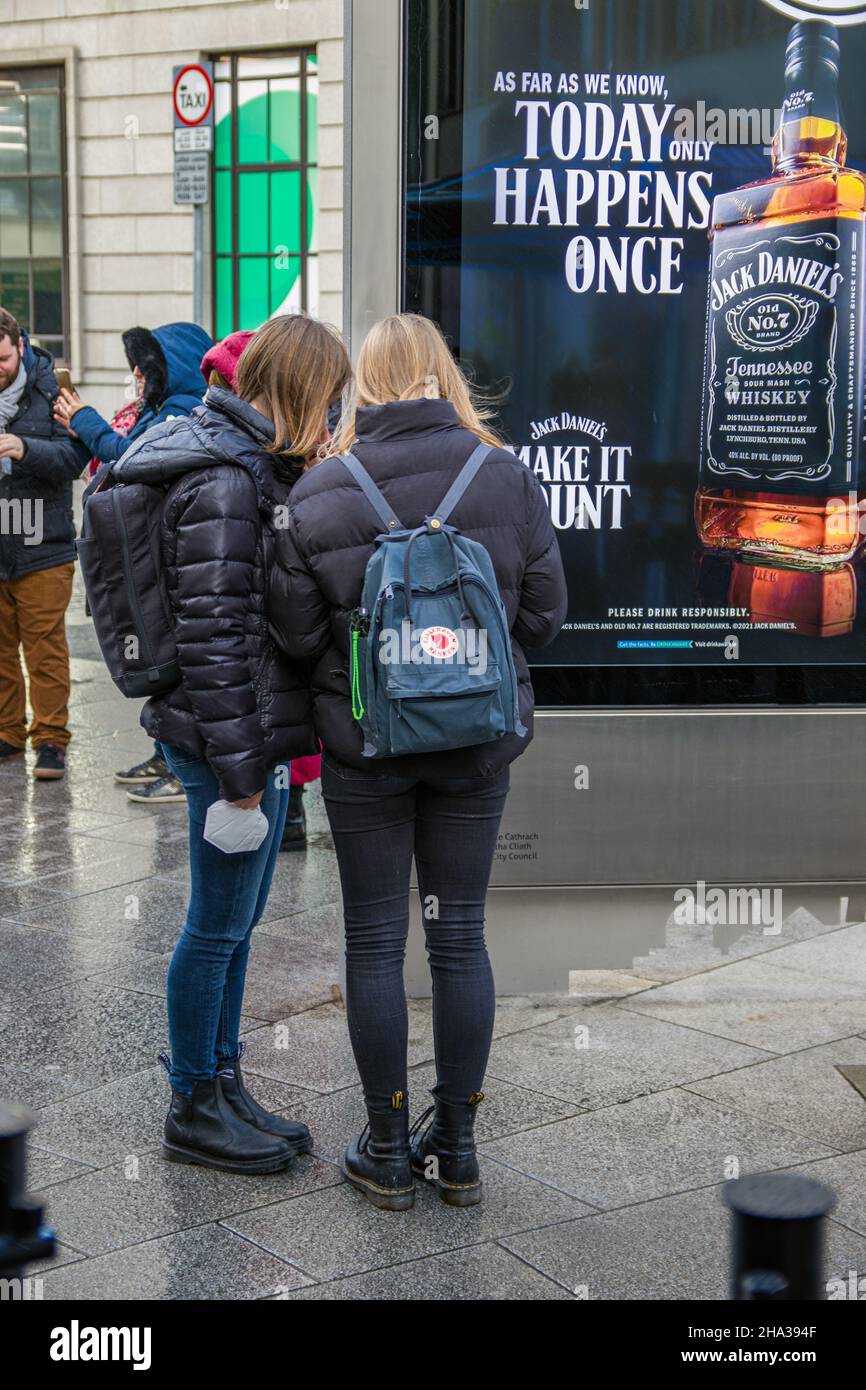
x=783, y=391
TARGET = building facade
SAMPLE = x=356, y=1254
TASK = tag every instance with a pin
x=91, y=240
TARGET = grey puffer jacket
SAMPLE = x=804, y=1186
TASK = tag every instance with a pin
x=413, y=450
x=241, y=704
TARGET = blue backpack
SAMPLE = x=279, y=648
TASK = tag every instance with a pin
x=431, y=660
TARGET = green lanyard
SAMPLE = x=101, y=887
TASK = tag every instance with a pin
x=359, y=626
x=357, y=703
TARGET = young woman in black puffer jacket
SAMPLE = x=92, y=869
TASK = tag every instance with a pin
x=414, y=428
x=240, y=713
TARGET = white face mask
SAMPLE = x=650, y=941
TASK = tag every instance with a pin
x=233, y=830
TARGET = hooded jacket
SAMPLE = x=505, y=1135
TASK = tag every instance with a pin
x=44, y=475
x=170, y=358
x=240, y=704
x=413, y=450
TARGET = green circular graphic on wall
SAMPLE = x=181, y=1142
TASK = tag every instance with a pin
x=258, y=209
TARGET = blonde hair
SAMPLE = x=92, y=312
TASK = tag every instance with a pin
x=217, y=379
x=405, y=357
x=299, y=366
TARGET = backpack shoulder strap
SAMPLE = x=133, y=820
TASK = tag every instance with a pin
x=371, y=492
x=462, y=481
x=99, y=479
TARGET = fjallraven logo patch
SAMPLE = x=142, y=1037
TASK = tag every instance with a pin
x=439, y=642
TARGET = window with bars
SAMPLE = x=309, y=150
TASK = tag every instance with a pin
x=33, y=204
x=265, y=195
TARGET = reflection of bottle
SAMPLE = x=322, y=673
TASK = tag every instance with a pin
x=782, y=418
x=818, y=602
x=821, y=603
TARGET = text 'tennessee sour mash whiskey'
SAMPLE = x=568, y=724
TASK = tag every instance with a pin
x=782, y=416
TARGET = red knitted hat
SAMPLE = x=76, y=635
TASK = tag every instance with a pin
x=223, y=357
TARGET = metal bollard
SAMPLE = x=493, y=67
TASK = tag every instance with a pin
x=23, y=1236
x=778, y=1236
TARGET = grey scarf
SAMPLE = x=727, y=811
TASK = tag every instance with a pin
x=10, y=397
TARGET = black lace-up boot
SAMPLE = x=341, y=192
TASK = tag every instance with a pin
x=443, y=1150
x=295, y=1134
x=203, y=1128
x=377, y=1162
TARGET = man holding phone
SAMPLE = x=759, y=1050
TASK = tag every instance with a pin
x=38, y=465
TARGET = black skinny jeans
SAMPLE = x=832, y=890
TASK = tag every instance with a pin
x=379, y=822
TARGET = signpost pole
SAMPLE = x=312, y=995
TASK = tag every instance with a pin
x=198, y=264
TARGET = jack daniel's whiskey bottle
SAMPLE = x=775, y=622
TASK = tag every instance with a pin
x=782, y=415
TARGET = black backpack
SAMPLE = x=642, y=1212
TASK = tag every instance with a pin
x=120, y=553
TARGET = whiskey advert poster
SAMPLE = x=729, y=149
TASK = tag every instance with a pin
x=691, y=403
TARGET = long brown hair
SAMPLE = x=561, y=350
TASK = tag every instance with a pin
x=299, y=366
x=405, y=357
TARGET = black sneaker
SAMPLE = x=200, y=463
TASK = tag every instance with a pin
x=50, y=763
x=8, y=750
x=153, y=770
x=166, y=792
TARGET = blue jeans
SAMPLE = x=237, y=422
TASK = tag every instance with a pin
x=229, y=892
x=449, y=825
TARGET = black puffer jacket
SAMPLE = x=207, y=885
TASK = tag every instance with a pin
x=241, y=704
x=45, y=475
x=413, y=450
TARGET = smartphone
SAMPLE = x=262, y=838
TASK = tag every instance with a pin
x=64, y=380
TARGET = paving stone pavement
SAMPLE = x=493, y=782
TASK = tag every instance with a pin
x=611, y=1119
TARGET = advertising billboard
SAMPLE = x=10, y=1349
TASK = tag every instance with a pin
x=641, y=223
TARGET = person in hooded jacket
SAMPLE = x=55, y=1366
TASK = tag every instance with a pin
x=38, y=465
x=166, y=366
x=240, y=714
x=167, y=379
x=415, y=426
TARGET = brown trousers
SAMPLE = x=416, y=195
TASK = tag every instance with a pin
x=32, y=620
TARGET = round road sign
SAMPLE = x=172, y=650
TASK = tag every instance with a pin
x=193, y=95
